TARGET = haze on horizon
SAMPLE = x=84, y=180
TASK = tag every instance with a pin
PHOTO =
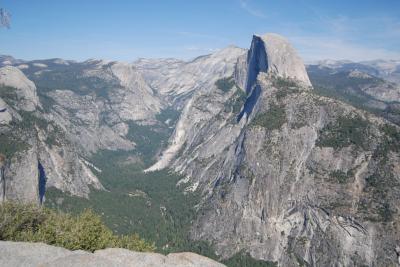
x=126, y=30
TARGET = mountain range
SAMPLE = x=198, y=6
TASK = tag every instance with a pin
x=240, y=153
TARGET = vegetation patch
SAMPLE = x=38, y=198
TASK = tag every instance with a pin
x=9, y=94
x=341, y=176
x=236, y=102
x=10, y=144
x=163, y=214
x=245, y=260
x=301, y=116
x=46, y=101
x=168, y=114
x=380, y=182
x=274, y=118
x=280, y=82
x=284, y=92
x=392, y=137
x=70, y=78
x=385, y=212
x=85, y=231
x=350, y=90
x=345, y=131
x=225, y=84
x=285, y=87
x=149, y=139
x=246, y=172
x=15, y=139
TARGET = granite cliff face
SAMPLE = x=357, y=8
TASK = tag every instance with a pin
x=25, y=89
x=286, y=174
x=176, y=81
x=271, y=53
x=38, y=151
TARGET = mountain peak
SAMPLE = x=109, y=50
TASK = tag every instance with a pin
x=272, y=53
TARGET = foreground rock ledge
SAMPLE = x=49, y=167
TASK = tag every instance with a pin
x=39, y=254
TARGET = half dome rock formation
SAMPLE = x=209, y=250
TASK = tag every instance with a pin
x=24, y=254
x=25, y=89
x=271, y=53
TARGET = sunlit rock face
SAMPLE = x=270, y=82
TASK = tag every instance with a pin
x=176, y=81
x=272, y=53
x=25, y=89
x=38, y=150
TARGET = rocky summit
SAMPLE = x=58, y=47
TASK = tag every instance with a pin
x=280, y=164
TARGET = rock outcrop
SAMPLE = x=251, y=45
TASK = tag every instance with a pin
x=20, y=181
x=5, y=115
x=174, y=79
x=25, y=89
x=130, y=97
x=271, y=53
x=38, y=150
x=38, y=254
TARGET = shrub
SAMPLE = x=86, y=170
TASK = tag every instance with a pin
x=17, y=221
x=280, y=82
x=86, y=231
x=133, y=242
x=274, y=118
x=225, y=84
x=236, y=102
x=340, y=176
x=392, y=137
x=11, y=143
x=243, y=259
x=385, y=212
x=345, y=131
x=285, y=91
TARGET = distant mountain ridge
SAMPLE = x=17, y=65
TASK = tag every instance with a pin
x=385, y=69
x=369, y=85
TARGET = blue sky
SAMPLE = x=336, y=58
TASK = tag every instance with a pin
x=126, y=30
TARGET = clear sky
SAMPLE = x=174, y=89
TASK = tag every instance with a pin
x=126, y=30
